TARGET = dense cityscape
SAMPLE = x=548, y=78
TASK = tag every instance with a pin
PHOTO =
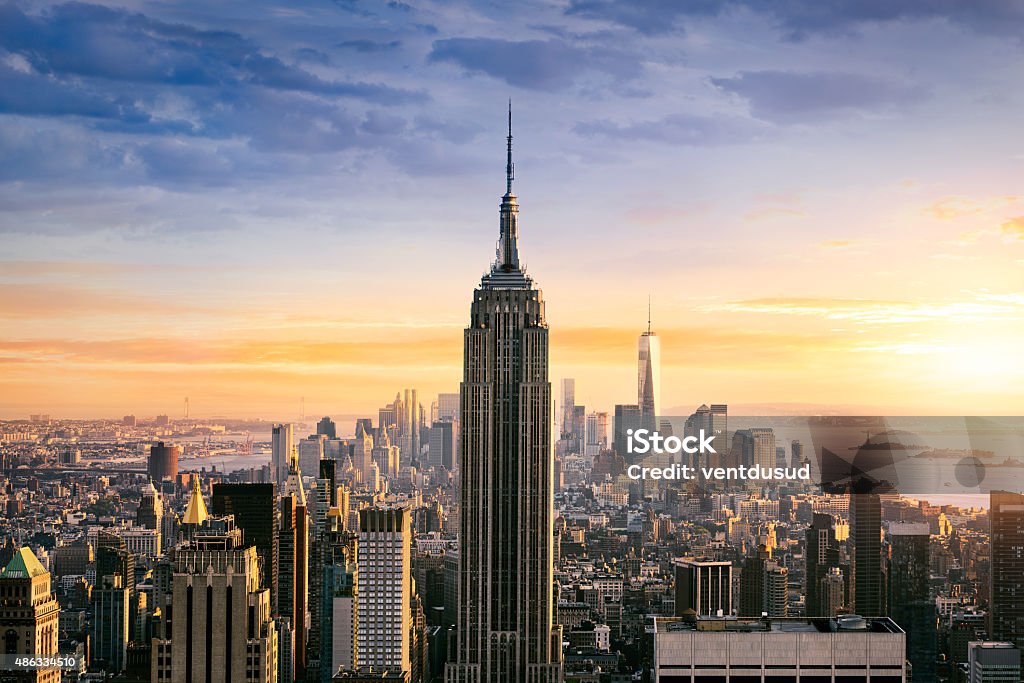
x=494, y=534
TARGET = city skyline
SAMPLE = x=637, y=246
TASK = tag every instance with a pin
x=292, y=202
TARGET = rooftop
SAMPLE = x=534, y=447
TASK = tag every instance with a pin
x=23, y=565
x=844, y=623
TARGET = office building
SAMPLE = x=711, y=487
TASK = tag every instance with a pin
x=29, y=615
x=282, y=447
x=627, y=417
x=909, y=600
x=992, y=662
x=754, y=446
x=648, y=376
x=219, y=627
x=866, y=561
x=731, y=650
x=703, y=586
x=384, y=589
x=447, y=407
x=831, y=592
x=255, y=512
x=327, y=427
x=338, y=649
x=293, y=558
x=310, y=453
x=110, y=617
x=568, y=405
x=506, y=628
x=163, y=461
x=150, y=514
x=821, y=555
x=1006, y=578
x=440, y=450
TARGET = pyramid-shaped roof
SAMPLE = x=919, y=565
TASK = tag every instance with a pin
x=23, y=565
x=195, y=512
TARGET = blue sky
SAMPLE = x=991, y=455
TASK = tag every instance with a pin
x=178, y=175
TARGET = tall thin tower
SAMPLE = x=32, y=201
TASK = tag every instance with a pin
x=505, y=606
x=649, y=375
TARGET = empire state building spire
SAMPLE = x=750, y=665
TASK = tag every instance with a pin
x=506, y=630
x=510, y=169
x=508, y=242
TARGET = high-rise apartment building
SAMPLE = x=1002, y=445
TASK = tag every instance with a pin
x=506, y=628
x=384, y=589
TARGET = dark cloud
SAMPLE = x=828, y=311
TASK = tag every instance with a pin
x=199, y=107
x=797, y=19
x=28, y=94
x=678, y=129
x=790, y=97
x=83, y=40
x=534, y=64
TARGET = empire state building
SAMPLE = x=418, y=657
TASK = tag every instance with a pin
x=505, y=625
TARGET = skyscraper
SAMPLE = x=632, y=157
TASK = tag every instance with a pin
x=151, y=509
x=29, y=613
x=385, y=588
x=505, y=592
x=648, y=376
x=110, y=616
x=822, y=555
x=626, y=417
x=568, y=404
x=990, y=662
x=254, y=507
x=219, y=627
x=282, y=444
x=705, y=586
x=866, y=529
x=293, y=558
x=163, y=461
x=909, y=603
x=1006, y=578
x=327, y=427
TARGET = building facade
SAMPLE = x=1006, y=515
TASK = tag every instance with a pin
x=506, y=630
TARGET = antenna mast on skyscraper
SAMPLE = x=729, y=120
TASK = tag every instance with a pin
x=186, y=407
x=510, y=172
x=648, y=314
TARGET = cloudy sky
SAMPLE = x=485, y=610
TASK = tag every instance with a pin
x=248, y=202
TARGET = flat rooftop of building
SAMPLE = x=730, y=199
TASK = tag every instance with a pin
x=846, y=623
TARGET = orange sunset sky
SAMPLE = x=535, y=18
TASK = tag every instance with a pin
x=844, y=238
